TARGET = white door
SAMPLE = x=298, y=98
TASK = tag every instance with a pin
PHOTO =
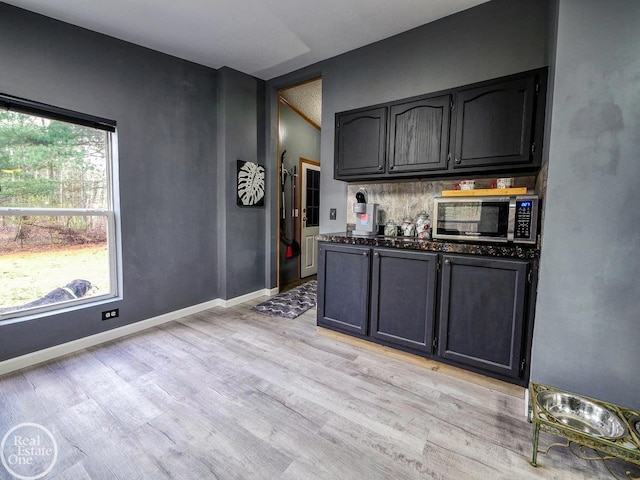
x=310, y=225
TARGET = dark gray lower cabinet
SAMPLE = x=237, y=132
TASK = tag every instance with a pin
x=403, y=294
x=475, y=314
x=343, y=293
x=482, y=313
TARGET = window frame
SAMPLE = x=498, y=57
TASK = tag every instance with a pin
x=111, y=212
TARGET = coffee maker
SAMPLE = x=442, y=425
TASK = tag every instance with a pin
x=366, y=216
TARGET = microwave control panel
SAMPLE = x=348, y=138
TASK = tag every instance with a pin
x=524, y=218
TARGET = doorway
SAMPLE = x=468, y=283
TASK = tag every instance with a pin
x=299, y=119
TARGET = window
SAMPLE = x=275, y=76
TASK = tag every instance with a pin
x=57, y=218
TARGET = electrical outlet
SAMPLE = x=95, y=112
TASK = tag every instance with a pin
x=109, y=314
x=332, y=213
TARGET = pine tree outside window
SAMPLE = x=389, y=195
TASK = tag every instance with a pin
x=57, y=216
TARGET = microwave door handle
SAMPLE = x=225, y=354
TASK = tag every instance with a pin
x=511, y=225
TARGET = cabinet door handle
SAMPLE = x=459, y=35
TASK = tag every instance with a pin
x=457, y=160
x=365, y=254
x=447, y=261
x=376, y=254
x=380, y=167
x=391, y=167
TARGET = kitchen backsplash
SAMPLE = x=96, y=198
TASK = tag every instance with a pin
x=401, y=199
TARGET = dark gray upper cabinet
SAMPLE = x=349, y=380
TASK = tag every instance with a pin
x=419, y=135
x=343, y=293
x=403, y=295
x=494, y=124
x=360, y=144
x=482, y=313
x=489, y=127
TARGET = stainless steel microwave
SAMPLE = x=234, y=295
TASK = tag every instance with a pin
x=499, y=219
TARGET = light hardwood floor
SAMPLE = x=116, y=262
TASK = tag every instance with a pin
x=233, y=394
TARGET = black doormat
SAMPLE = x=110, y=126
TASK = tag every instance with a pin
x=292, y=303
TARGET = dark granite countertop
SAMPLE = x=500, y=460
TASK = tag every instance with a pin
x=525, y=252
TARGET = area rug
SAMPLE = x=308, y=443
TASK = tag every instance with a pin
x=292, y=303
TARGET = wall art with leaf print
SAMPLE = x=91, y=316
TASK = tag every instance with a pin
x=250, y=184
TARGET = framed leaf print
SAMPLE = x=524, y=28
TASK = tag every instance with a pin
x=250, y=184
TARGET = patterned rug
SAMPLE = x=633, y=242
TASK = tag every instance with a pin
x=292, y=303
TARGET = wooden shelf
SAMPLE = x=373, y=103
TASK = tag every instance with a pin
x=485, y=192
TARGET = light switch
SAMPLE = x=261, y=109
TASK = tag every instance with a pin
x=332, y=214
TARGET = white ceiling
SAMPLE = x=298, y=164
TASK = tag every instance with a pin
x=263, y=38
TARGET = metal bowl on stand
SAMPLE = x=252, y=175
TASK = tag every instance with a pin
x=582, y=414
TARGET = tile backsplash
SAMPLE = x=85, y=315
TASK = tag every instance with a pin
x=401, y=199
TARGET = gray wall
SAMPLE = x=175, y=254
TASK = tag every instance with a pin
x=241, y=253
x=165, y=110
x=588, y=321
x=300, y=139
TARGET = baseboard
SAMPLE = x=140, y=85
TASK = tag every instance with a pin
x=265, y=292
x=56, y=351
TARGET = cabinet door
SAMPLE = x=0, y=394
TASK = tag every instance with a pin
x=494, y=125
x=343, y=287
x=482, y=307
x=419, y=135
x=360, y=143
x=403, y=296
